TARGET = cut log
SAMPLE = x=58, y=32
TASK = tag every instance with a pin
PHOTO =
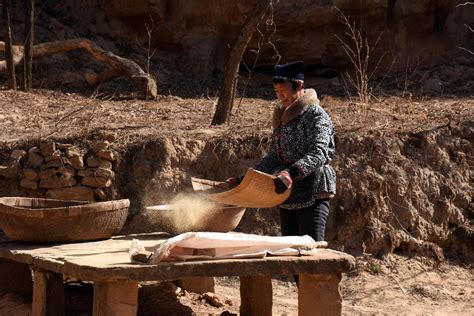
x=142, y=81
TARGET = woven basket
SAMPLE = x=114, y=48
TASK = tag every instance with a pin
x=256, y=190
x=47, y=220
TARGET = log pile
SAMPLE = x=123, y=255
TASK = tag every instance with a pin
x=64, y=171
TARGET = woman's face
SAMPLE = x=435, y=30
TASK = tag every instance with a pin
x=285, y=93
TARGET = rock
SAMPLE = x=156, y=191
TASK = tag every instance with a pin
x=105, y=173
x=29, y=184
x=56, y=178
x=73, y=152
x=35, y=159
x=100, y=194
x=97, y=172
x=212, y=299
x=30, y=174
x=11, y=171
x=66, y=172
x=89, y=172
x=96, y=162
x=78, y=193
x=47, y=173
x=35, y=150
x=18, y=154
x=63, y=146
x=56, y=155
x=56, y=182
x=54, y=164
x=96, y=182
x=111, y=137
x=47, y=148
x=77, y=162
x=63, y=172
x=106, y=154
x=100, y=146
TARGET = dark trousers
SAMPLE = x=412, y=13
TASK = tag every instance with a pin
x=306, y=221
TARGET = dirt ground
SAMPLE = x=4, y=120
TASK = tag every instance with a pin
x=398, y=285
x=395, y=285
x=46, y=114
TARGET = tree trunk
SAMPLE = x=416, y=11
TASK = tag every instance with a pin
x=29, y=35
x=226, y=96
x=6, y=6
x=142, y=81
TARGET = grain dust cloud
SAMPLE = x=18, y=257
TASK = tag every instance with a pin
x=186, y=212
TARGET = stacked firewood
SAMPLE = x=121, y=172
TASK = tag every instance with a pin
x=64, y=171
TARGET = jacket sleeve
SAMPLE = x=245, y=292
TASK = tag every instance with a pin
x=270, y=162
x=319, y=131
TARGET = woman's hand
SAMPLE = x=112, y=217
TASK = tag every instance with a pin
x=282, y=181
x=232, y=182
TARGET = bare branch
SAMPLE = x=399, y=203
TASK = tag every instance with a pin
x=465, y=49
x=464, y=4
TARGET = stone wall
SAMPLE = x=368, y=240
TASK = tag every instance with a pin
x=63, y=171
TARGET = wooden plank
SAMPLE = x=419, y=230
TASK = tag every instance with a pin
x=319, y=294
x=324, y=262
x=108, y=260
x=48, y=294
x=115, y=298
x=256, y=295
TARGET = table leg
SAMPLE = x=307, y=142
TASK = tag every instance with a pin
x=115, y=298
x=48, y=293
x=15, y=277
x=319, y=294
x=198, y=285
x=256, y=295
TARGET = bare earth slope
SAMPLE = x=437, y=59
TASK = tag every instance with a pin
x=431, y=134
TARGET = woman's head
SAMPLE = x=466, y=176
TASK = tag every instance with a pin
x=287, y=91
x=288, y=81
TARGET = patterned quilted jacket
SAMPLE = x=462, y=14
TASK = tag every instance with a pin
x=303, y=143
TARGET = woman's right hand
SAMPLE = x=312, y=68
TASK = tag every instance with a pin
x=232, y=182
x=282, y=182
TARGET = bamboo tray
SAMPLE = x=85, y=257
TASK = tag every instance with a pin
x=256, y=190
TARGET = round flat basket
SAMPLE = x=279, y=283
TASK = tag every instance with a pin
x=222, y=218
x=47, y=220
x=257, y=190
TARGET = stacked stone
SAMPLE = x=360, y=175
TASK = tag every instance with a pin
x=60, y=170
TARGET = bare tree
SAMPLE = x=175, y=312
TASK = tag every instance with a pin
x=6, y=6
x=29, y=34
x=357, y=48
x=467, y=26
x=227, y=94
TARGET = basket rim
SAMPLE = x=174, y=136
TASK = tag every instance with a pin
x=82, y=207
x=247, y=193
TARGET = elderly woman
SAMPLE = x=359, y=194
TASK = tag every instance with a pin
x=300, y=154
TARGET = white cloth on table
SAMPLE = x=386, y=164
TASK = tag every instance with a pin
x=212, y=245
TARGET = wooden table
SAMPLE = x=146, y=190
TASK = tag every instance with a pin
x=107, y=264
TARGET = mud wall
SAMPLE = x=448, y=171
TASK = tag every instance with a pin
x=410, y=193
x=407, y=193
